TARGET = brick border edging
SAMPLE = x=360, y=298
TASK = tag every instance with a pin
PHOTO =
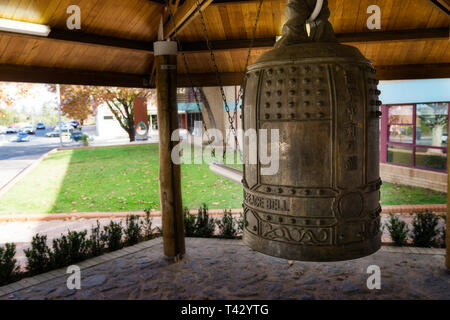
x=51, y=275
x=41, y=278
x=414, y=208
x=439, y=209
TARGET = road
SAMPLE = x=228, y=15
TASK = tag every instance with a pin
x=15, y=156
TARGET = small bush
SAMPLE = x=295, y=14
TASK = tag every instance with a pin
x=398, y=230
x=227, y=225
x=424, y=230
x=204, y=225
x=70, y=249
x=112, y=236
x=147, y=226
x=96, y=242
x=189, y=223
x=9, y=271
x=39, y=257
x=132, y=230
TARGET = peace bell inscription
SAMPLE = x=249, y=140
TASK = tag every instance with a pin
x=323, y=203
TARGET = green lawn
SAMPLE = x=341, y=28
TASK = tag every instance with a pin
x=392, y=194
x=126, y=179
x=112, y=179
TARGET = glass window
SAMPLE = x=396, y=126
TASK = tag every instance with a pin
x=401, y=133
x=399, y=155
x=431, y=124
x=431, y=158
x=401, y=115
x=416, y=135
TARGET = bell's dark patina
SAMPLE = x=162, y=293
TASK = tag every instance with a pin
x=323, y=203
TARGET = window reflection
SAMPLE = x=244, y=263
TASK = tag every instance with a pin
x=429, y=158
x=401, y=134
x=417, y=135
x=431, y=124
x=399, y=155
x=401, y=115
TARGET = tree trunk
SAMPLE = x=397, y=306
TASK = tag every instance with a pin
x=130, y=130
x=437, y=132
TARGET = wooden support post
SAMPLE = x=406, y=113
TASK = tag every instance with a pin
x=447, y=233
x=169, y=173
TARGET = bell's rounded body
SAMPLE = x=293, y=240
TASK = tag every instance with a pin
x=323, y=202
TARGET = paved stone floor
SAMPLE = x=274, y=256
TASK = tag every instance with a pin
x=227, y=269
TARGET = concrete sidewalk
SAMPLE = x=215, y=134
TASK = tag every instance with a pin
x=11, y=168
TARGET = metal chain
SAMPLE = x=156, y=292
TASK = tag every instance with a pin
x=216, y=69
x=191, y=82
x=252, y=41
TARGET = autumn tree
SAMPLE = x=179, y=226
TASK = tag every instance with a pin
x=77, y=102
x=80, y=101
x=9, y=95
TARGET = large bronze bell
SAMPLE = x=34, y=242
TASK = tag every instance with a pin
x=323, y=203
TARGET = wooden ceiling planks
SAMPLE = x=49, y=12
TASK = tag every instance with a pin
x=48, y=53
x=130, y=19
x=139, y=20
x=226, y=21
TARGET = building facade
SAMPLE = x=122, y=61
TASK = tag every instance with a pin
x=414, y=132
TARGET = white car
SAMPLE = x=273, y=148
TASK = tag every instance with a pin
x=56, y=132
x=3, y=129
x=28, y=129
x=12, y=129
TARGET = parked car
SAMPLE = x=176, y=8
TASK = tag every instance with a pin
x=78, y=136
x=22, y=137
x=56, y=132
x=3, y=129
x=40, y=126
x=12, y=129
x=28, y=129
x=444, y=137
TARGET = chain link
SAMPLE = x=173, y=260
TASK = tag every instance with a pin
x=191, y=82
x=231, y=118
x=216, y=68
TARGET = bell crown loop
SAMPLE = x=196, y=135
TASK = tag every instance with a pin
x=307, y=21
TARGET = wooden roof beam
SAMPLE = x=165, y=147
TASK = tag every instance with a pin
x=184, y=15
x=161, y=2
x=395, y=72
x=443, y=5
x=15, y=73
x=93, y=39
x=76, y=37
x=222, y=2
x=363, y=37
